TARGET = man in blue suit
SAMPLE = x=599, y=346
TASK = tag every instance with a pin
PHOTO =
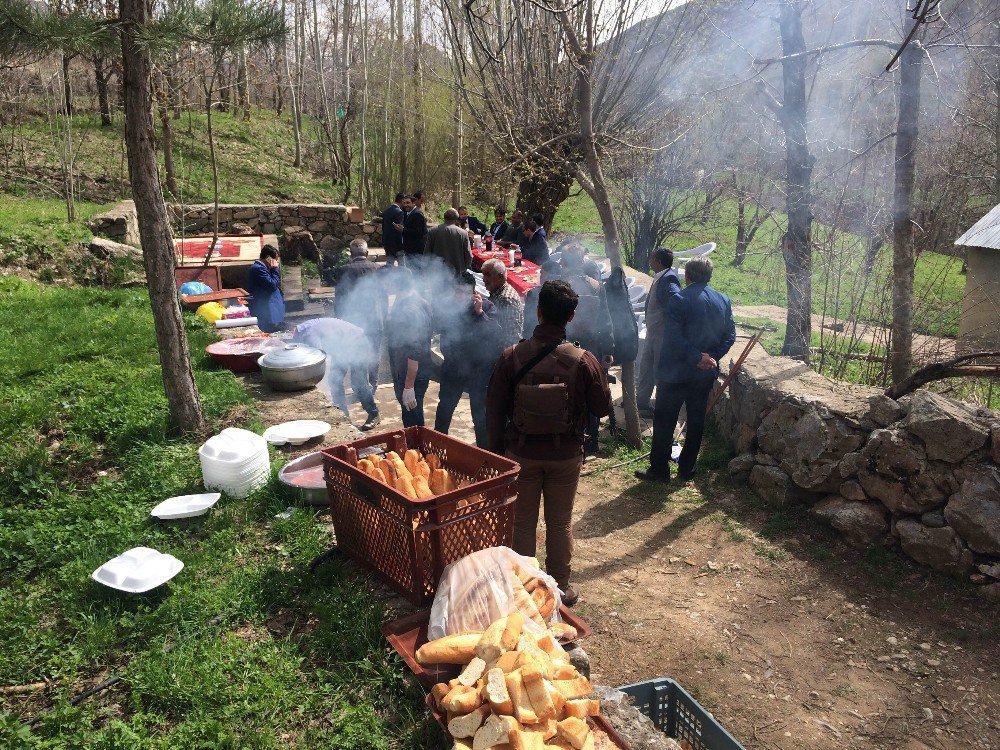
x=699, y=332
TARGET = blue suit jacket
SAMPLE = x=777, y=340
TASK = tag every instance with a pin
x=266, y=303
x=392, y=238
x=699, y=319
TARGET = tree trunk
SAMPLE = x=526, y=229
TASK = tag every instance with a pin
x=903, y=251
x=419, y=126
x=292, y=96
x=593, y=182
x=741, y=230
x=796, y=246
x=101, y=80
x=67, y=88
x=167, y=146
x=402, y=112
x=183, y=404
x=242, y=84
x=544, y=192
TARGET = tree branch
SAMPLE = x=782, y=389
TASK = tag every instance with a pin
x=951, y=368
x=828, y=48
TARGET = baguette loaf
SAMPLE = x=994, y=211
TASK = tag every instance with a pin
x=461, y=700
x=523, y=710
x=574, y=731
x=411, y=458
x=582, y=708
x=562, y=631
x=466, y=726
x=452, y=649
x=495, y=731
x=488, y=649
x=575, y=688
x=511, y=631
x=523, y=740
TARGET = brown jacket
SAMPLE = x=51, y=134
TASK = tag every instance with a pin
x=592, y=395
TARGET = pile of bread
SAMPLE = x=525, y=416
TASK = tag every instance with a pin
x=517, y=690
x=418, y=476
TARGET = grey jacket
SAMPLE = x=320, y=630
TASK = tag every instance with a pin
x=451, y=244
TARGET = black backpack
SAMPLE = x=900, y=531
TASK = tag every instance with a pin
x=623, y=322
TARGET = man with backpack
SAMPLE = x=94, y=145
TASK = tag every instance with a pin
x=540, y=395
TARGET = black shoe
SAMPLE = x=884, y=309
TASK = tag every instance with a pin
x=371, y=422
x=685, y=476
x=569, y=596
x=647, y=476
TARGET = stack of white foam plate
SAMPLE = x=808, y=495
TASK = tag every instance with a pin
x=235, y=461
x=296, y=432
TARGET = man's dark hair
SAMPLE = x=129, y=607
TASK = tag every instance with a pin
x=400, y=196
x=698, y=271
x=538, y=218
x=551, y=269
x=417, y=195
x=557, y=302
x=462, y=208
x=269, y=251
x=664, y=256
x=500, y=211
x=407, y=197
x=531, y=225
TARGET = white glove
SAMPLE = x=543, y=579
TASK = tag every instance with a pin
x=409, y=398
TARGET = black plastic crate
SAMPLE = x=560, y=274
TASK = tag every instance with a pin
x=678, y=715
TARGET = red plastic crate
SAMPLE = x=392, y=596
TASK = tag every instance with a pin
x=408, y=542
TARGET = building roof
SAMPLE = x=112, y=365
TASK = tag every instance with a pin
x=985, y=232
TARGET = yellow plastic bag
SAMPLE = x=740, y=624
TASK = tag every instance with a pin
x=211, y=311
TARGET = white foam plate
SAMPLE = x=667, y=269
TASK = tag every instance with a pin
x=185, y=506
x=138, y=570
x=296, y=432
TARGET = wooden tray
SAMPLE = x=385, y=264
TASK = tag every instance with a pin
x=199, y=299
x=409, y=633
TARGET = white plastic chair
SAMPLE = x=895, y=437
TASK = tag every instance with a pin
x=681, y=258
x=636, y=294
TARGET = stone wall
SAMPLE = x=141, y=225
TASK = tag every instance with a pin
x=331, y=227
x=920, y=473
x=119, y=223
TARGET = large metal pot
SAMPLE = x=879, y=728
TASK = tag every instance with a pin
x=302, y=479
x=292, y=367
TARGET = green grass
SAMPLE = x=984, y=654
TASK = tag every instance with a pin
x=840, y=285
x=245, y=648
x=254, y=160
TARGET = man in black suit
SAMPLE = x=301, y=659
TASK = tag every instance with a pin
x=500, y=226
x=413, y=228
x=392, y=238
x=470, y=222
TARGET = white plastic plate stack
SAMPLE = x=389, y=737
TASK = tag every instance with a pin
x=235, y=462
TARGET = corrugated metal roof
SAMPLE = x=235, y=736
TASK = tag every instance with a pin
x=984, y=233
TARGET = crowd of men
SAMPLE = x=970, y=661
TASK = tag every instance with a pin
x=535, y=370
x=408, y=240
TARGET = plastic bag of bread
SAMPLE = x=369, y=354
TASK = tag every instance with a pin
x=490, y=584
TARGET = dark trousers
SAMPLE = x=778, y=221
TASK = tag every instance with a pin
x=411, y=417
x=693, y=395
x=453, y=384
x=375, y=339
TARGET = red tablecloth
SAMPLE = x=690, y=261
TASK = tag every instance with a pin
x=190, y=248
x=522, y=278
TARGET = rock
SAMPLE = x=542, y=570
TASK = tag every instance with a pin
x=355, y=215
x=949, y=430
x=765, y=460
x=808, y=442
x=851, y=464
x=993, y=571
x=299, y=244
x=974, y=512
x=108, y=249
x=995, y=443
x=942, y=549
x=896, y=471
x=852, y=490
x=239, y=227
x=861, y=522
x=746, y=438
x=330, y=244
x=883, y=410
x=741, y=466
x=119, y=223
x=249, y=212
x=773, y=486
x=934, y=519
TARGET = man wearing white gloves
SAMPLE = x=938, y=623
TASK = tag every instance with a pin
x=408, y=332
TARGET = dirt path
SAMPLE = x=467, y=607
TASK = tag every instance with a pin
x=794, y=642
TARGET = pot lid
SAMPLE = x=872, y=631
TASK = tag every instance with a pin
x=291, y=356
